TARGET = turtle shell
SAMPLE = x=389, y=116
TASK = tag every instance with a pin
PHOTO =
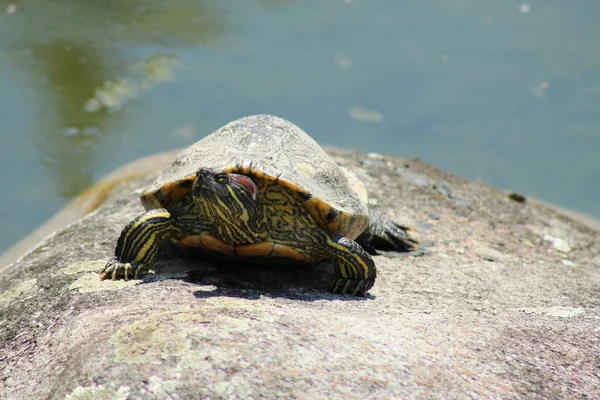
x=268, y=147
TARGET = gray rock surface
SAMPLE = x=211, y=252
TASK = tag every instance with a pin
x=489, y=309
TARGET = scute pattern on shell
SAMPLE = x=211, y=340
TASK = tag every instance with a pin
x=277, y=148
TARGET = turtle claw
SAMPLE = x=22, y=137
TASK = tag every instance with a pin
x=115, y=269
x=385, y=234
x=355, y=287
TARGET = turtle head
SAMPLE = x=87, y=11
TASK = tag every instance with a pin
x=232, y=202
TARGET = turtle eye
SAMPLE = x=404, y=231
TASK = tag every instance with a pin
x=221, y=178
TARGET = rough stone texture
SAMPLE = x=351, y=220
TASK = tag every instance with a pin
x=489, y=310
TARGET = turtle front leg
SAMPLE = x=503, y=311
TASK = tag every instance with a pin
x=385, y=234
x=138, y=244
x=355, y=269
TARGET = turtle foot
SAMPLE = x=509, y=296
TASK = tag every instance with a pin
x=385, y=234
x=115, y=269
x=355, y=287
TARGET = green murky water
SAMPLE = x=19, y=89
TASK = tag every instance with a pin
x=504, y=92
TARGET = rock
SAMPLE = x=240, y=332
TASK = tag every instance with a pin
x=435, y=215
x=444, y=187
x=445, y=324
x=489, y=258
x=375, y=156
x=519, y=198
x=558, y=243
x=568, y=263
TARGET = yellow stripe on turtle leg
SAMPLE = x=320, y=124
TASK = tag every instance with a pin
x=137, y=237
x=356, y=270
x=138, y=243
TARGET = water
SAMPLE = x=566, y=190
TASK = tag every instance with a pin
x=507, y=92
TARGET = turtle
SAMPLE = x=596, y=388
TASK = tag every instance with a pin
x=259, y=189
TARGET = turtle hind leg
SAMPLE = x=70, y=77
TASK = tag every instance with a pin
x=138, y=245
x=385, y=234
x=355, y=270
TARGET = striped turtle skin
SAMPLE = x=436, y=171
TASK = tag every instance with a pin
x=260, y=188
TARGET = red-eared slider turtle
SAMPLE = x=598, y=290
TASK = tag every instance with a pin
x=259, y=188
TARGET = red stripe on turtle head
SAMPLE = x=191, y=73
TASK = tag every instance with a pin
x=244, y=180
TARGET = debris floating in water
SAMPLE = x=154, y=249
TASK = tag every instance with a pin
x=114, y=94
x=71, y=131
x=524, y=8
x=365, y=115
x=344, y=62
x=541, y=88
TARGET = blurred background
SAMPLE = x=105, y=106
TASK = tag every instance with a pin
x=503, y=92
